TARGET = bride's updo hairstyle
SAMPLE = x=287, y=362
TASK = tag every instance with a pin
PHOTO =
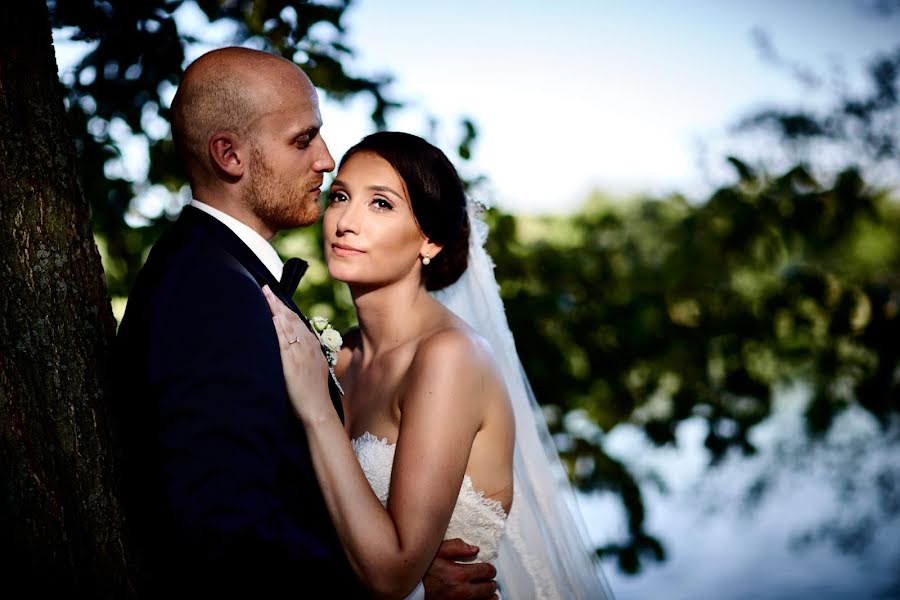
x=437, y=197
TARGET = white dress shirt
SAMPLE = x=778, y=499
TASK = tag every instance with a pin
x=257, y=243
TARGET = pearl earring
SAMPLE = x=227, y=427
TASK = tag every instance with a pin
x=426, y=260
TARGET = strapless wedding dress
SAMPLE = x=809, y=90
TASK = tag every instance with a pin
x=476, y=520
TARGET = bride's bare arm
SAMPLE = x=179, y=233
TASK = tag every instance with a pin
x=390, y=549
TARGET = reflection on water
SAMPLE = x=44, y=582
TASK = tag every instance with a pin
x=800, y=519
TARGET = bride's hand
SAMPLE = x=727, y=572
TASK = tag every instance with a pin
x=305, y=367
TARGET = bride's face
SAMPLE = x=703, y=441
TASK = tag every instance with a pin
x=371, y=235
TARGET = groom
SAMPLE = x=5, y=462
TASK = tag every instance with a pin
x=218, y=479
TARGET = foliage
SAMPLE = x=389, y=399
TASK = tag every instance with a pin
x=657, y=311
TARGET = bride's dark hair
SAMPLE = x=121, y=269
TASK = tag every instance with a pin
x=437, y=197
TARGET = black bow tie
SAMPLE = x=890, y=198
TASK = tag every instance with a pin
x=294, y=269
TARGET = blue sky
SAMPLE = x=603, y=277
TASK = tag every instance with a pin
x=570, y=95
x=573, y=95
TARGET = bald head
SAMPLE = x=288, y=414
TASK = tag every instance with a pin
x=227, y=90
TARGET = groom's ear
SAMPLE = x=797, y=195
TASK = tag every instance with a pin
x=227, y=154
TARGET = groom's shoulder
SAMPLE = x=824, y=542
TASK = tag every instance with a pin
x=180, y=262
x=183, y=243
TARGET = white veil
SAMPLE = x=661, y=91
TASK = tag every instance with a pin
x=543, y=554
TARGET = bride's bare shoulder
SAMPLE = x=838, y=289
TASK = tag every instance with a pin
x=454, y=347
x=452, y=373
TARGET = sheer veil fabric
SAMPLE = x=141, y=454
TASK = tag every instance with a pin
x=544, y=553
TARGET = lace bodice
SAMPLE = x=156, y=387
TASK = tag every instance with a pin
x=476, y=520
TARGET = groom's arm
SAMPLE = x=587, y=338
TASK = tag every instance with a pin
x=447, y=579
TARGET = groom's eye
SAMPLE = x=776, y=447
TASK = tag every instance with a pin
x=303, y=140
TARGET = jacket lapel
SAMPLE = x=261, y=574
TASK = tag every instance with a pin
x=193, y=218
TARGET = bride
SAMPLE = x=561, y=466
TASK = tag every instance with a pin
x=442, y=438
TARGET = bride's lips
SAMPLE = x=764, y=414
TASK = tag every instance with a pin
x=345, y=250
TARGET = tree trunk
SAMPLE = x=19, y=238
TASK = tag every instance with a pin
x=61, y=526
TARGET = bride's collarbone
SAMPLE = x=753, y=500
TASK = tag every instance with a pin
x=374, y=384
x=392, y=362
x=383, y=376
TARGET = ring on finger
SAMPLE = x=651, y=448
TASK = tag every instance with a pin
x=293, y=341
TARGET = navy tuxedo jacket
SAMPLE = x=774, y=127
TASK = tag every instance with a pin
x=219, y=484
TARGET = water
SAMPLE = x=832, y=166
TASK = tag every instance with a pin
x=800, y=519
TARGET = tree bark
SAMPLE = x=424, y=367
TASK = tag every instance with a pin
x=61, y=525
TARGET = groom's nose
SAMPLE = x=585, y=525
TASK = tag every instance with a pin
x=324, y=162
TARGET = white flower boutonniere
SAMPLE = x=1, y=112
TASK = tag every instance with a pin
x=331, y=342
x=329, y=338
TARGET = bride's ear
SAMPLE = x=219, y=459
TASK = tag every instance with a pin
x=429, y=250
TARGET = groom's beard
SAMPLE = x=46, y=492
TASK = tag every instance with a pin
x=278, y=203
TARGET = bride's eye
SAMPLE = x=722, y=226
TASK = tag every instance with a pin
x=335, y=197
x=382, y=204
